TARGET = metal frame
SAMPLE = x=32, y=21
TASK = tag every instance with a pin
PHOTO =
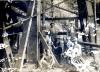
x=62, y=18
x=57, y=4
x=63, y=9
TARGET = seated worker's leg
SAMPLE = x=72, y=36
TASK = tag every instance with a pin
x=1, y=38
x=13, y=40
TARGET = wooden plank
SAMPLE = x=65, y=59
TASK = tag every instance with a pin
x=47, y=47
x=27, y=38
x=8, y=48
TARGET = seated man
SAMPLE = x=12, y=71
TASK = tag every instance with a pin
x=70, y=43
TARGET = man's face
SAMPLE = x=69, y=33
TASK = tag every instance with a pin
x=51, y=25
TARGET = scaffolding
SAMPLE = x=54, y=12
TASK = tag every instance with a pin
x=29, y=48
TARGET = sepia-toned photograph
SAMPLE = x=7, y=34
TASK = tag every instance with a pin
x=49, y=35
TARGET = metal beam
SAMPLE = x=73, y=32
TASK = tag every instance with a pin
x=57, y=4
x=61, y=18
x=64, y=9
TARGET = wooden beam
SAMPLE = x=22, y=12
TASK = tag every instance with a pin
x=27, y=38
x=47, y=47
x=89, y=8
x=38, y=26
x=89, y=44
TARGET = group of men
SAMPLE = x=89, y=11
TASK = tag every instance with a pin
x=61, y=43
